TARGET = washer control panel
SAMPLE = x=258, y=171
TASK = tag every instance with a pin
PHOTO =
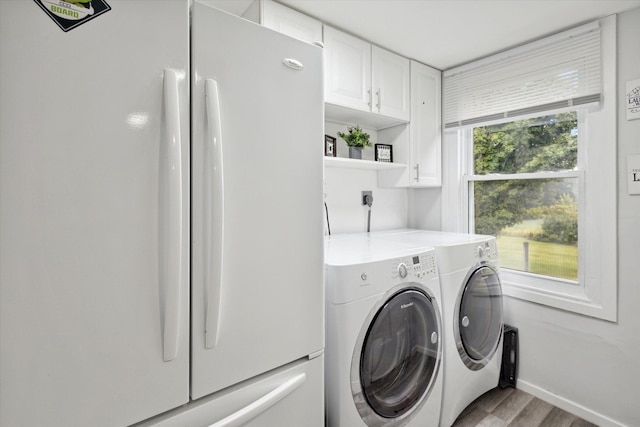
x=402, y=270
x=421, y=266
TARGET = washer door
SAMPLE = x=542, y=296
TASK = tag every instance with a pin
x=399, y=358
x=479, y=317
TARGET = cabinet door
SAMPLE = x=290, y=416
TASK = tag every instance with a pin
x=425, y=127
x=290, y=22
x=347, y=70
x=390, y=84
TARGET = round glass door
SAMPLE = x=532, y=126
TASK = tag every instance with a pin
x=479, y=317
x=400, y=354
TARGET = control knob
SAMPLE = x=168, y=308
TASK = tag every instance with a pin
x=402, y=270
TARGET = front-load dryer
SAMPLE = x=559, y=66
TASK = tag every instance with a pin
x=383, y=348
x=472, y=312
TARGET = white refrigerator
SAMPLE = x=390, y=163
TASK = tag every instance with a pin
x=161, y=227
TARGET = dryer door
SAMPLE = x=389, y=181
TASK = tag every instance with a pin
x=478, y=325
x=399, y=358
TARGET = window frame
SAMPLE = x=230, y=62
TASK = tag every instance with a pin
x=595, y=292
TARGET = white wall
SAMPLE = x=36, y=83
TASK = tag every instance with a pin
x=392, y=208
x=343, y=193
x=590, y=366
x=425, y=208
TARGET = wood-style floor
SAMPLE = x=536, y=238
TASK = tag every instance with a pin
x=515, y=408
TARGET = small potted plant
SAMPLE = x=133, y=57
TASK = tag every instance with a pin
x=356, y=139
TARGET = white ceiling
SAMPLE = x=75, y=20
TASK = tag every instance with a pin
x=447, y=33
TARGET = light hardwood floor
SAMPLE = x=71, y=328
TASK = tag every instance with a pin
x=515, y=408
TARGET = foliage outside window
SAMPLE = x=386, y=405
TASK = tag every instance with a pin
x=525, y=192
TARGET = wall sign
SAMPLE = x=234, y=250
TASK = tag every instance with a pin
x=69, y=14
x=633, y=173
x=330, y=146
x=633, y=99
x=384, y=153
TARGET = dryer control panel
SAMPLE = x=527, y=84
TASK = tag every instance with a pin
x=486, y=251
x=422, y=266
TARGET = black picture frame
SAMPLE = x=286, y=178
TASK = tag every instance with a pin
x=330, y=148
x=384, y=153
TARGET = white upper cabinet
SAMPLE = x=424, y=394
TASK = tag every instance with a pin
x=285, y=20
x=390, y=83
x=422, y=153
x=425, y=128
x=347, y=70
x=365, y=77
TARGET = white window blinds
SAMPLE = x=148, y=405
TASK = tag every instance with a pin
x=554, y=72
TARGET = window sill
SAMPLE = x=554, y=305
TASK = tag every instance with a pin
x=563, y=295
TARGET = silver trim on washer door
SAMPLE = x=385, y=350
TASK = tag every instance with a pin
x=401, y=397
x=477, y=327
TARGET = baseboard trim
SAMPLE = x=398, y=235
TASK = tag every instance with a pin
x=568, y=405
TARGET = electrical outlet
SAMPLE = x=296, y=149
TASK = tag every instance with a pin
x=364, y=197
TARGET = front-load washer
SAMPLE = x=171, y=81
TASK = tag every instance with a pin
x=472, y=312
x=383, y=350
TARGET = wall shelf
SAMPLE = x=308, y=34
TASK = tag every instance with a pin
x=341, y=162
x=349, y=116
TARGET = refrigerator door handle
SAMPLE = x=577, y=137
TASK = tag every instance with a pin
x=171, y=228
x=213, y=214
x=254, y=409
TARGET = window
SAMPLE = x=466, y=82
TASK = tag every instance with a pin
x=537, y=167
x=525, y=191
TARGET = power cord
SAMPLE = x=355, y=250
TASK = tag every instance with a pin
x=326, y=209
x=368, y=199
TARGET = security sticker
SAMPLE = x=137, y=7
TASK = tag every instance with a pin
x=69, y=14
